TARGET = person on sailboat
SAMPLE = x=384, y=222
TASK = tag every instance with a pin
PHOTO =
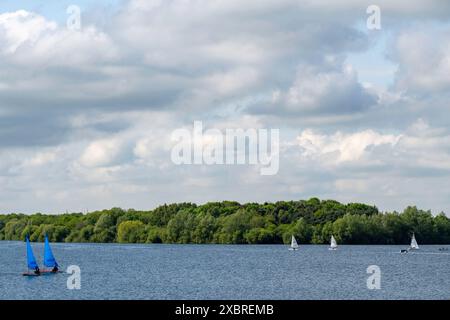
x=37, y=271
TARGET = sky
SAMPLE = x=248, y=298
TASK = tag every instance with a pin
x=87, y=115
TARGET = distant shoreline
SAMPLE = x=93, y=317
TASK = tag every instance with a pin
x=232, y=244
x=311, y=221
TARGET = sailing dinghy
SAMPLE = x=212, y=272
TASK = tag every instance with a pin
x=49, y=258
x=33, y=268
x=333, y=244
x=414, y=245
x=294, y=244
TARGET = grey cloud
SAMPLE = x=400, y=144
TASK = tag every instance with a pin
x=161, y=59
x=319, y=90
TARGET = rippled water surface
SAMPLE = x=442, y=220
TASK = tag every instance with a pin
x=112, y=271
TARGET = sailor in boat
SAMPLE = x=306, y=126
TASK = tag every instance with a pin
x=37, y=271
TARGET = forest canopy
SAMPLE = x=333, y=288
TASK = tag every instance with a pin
x=310, y=221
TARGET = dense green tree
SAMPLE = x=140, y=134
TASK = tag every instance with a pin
x=105, y=221
x=302, y=231
x=329, y=210
x=155, y=234
x=258, y=236
x=14, y=229
x=234, y=227
x=181, y=227
x=419, y=222
x=130, y=232
x=310, y=221
x=442, y=229
x=205, y=229
x=361, y=209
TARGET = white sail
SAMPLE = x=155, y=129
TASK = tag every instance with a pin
x=294, y=244
x=333, y=244
x=414, y=244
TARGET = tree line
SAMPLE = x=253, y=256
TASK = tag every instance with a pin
x=311, y=221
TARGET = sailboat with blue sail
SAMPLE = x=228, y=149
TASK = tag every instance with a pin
x=33, y=268
x=49, y=258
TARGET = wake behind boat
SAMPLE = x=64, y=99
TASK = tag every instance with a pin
x=294, y=244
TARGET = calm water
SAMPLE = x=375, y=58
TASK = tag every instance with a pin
x=111, y=271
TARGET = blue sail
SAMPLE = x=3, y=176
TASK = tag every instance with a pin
x=49, y=259
x=31, y=260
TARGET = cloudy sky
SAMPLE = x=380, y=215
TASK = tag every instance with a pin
x=86, y=116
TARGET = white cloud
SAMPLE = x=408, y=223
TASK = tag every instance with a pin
x=101, y=153
x=419, y=150
x=342, y=147
x=21, y=27
x=31, y=40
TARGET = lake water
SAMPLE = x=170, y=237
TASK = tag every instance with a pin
x=112, y=271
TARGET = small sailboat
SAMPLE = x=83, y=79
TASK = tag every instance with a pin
x=33, y=268
x=49, y=258
x=333, y=244
x=294, y=244
x=414, y=245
